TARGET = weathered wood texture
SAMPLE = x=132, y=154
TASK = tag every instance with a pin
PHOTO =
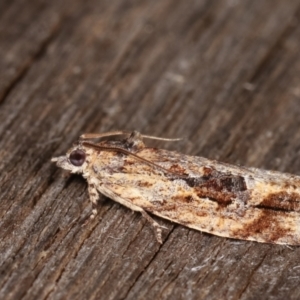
x=222, y=74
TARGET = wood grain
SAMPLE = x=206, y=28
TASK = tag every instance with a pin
x=224, y=75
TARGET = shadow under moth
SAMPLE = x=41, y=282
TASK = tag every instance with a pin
x=222, y=199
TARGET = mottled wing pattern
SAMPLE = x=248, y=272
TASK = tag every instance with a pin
x=221, y=199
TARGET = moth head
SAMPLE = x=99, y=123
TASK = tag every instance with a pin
x=74, y=161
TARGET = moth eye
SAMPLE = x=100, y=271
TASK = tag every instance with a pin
x=77, y=158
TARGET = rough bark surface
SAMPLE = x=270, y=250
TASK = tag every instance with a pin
x=224, y=75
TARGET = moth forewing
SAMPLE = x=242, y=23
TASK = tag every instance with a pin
x=222, y=199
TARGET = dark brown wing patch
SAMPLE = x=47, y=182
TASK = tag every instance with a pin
x=266, y=226
x=220, y=187
x=282, y=201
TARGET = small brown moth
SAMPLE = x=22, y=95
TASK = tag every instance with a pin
x=218, y=198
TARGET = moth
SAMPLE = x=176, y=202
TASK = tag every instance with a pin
x=217, y=198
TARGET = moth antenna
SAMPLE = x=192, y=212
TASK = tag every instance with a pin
x=117, y=149
x=88, y=136
x=161, y=139
x=91, y=136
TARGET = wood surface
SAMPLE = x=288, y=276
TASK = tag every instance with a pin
x=224, y=75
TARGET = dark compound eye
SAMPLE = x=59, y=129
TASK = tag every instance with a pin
x=77, y=158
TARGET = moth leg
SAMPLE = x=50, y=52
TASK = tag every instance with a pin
x=109, y=193
x=135, y=141
x=157, y=228
x=94, y=196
